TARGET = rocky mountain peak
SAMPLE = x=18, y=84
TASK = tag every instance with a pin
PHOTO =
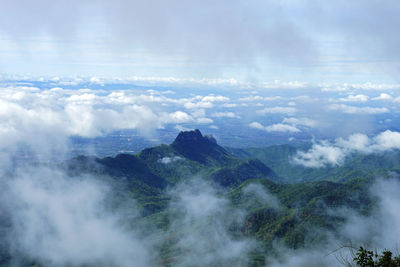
x=186, y=136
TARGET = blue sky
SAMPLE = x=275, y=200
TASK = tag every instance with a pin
x=311, y=41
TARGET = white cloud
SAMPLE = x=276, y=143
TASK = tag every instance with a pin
x=287, y=125
x=252, y=98
x=63, y=221
x=204, y=120
x=35, y=126
x=285, y=85
x=256, y=125
x=82, y=98
x=212, y=98
x=300, y=121
x=182, y=128
x=201, y=219
x=96, y=80
x=355, y=98
x=358, y=87
x=192, y=105
x=320, y=155
x=386, y=141
x=379, y=231
x=176, y=117
x=88, y=121
x=198, y=113
x=229, y=105
x=325, y=153
x=203, y=102
x=258, y=195
x=174, y=80
x=128, y=97
x=62, y=112
x=383, y=96
x=356, y=142
x=279, y=127
x=277, y=110
x=225, y=115
x=357, y=110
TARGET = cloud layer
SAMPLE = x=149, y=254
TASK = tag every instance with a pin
x=326, y=153
x=90, y=107
x=280, y=39
x=61, y=220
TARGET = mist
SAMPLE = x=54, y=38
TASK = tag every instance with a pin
x=56, y=220
x=376, y=231
x=59, y=220
x=202, y=222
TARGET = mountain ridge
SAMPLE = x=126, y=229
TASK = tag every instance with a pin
x=297, y=215
x=154, y=169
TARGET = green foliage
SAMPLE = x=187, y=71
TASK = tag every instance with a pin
x=242, y=171
x=301, y=220
x=191, y=154
x=368, y=258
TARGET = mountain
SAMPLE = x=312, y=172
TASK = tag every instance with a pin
x=129, y=168
x=248, y=184
x=203, y=149
x=242, y=171
x=357, y=165
x=303, y=205
x=303, y=219
x=150, y=172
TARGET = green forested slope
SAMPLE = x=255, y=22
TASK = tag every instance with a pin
x=154, y=169
x=269, y=200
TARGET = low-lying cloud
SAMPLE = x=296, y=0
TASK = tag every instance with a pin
x=201, y=221
x=326, y=153
x=278, y=127
x=58, y=113
x=60, y=220
x=376, y=231
x=288, y=125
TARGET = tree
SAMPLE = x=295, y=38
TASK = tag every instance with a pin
x=368, y=258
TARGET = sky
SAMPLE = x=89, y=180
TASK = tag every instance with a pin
x=309, y=41
x=252, y=73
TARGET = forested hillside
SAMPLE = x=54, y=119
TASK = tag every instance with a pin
x=194, y=196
